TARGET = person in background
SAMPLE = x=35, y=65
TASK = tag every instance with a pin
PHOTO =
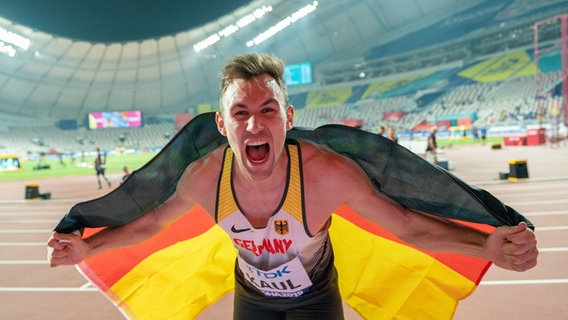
x=126, y=174
x=100, y=166
x=432, y=147
x=483, y=135
x=391, y=134
x=381, y=131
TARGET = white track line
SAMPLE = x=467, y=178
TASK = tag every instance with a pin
x=558, y=249
x=562, y=192
x=30, y=221
x=22, y=244
x=39, y=289
x=513, y=282
x=13, y=231
x=519, y=203
x=556, y=228
x=521, y=182
x=87, y=285
x=513, y=187
x=91, y=289
x=545, y=213
x=8, y=201
x=30, y=214
x=22, y=262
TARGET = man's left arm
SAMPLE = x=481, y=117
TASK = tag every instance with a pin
x=513, y=248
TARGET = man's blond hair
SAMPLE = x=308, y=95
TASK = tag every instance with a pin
x=247, y=66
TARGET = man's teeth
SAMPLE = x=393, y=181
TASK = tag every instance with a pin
x=256, y=144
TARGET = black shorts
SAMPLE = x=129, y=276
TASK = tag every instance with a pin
x=328, y=307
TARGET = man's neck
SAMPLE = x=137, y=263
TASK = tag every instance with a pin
x=276, y=178
x=259, y=198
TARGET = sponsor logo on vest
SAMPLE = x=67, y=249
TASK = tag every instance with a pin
x=272, y=274
x=235, y=230
x=272, y=246
x=287, y=280
x=281, y=226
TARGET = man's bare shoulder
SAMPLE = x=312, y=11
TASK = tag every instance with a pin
x=314, y=154
x=320, y=161
x=209, y=165
x=202, y=174
x=330, y=180
x=199, y=181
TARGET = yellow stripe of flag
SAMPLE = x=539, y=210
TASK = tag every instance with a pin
x=383, y=279
x=189, y=276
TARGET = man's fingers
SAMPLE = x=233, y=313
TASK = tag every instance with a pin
x=63, y=238
x=521, y=250
x=522, y=235
x=60, y=253
x=522, y=226
x=56, y=262
x=55, y=244
x=523, y=261
x=521, y=242
x=517, y=249
x=60, y=246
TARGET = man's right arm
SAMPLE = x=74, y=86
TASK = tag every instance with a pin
x=69, y=249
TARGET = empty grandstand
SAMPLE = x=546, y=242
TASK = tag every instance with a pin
x=454, y=65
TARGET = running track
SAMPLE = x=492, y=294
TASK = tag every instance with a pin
x=29, y=289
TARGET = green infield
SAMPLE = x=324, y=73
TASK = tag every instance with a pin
x=114, y=163
x=74, y=167
x=466, y=141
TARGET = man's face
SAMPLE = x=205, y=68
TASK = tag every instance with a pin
x=255, y=124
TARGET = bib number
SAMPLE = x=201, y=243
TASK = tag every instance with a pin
x=289, y=280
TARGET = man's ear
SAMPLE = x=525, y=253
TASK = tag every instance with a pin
x=289, y=117
x=220, y=123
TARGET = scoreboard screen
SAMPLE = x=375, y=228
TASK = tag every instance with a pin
x=10, y=162
x=297, y=74
x=122, y=119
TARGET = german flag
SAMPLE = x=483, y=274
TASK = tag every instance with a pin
x=174, y=275
x=187, y=267
x=382, y=277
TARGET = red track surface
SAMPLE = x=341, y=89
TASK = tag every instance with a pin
x=30, y=289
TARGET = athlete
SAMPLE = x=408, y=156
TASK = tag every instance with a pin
x=275, y=196
x=432, y=147
x=100, y=166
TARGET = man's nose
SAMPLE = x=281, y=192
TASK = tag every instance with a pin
x=254, y=124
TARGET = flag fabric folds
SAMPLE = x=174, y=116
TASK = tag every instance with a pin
x=383, y=278
x=186, y=268
x=174, y=275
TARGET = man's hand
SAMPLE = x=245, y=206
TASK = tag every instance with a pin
x=65, y=249
x=512, y=248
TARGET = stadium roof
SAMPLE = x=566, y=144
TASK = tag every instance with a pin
x=115, y=20
x=65, y=73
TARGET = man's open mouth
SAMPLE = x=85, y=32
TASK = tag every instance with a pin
x=257, y=153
